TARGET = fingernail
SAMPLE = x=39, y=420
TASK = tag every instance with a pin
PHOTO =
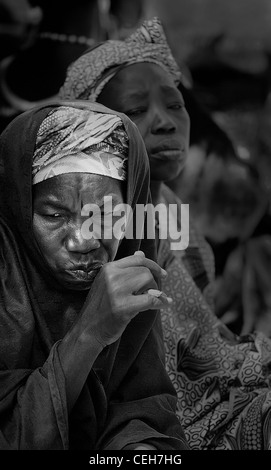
x=155, y=292
x=139, y=253
x=164, y=273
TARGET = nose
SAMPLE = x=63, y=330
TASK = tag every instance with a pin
x=162, y=121
x=77, y=243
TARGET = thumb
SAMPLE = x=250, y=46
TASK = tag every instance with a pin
x=139, y=253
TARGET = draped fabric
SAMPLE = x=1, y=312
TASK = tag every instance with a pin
x=128, y=396
x=222, y=380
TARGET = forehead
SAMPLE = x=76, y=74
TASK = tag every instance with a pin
x=142, y=78
x=70, y=186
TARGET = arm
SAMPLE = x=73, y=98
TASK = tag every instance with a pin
x=109, y=308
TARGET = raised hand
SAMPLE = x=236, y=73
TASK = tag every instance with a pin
x=120, y=291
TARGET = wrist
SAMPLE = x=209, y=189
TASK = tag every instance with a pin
x=79, y=347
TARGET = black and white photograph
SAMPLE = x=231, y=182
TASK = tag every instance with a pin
x=135, y=231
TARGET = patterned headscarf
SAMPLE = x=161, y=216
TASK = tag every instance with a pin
x=73, y=140
x=88, y=75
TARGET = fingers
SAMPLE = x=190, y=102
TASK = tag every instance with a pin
x=136, y=282
x=141, y=280
x=139, y=259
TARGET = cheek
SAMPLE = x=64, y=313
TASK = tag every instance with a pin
x=49, y=241
x=184, y=124
x=38, y=230
x=143, y=124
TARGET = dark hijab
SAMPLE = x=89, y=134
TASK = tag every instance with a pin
x=128, y=396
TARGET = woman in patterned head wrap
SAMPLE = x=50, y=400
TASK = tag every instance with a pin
x=222, y=381
x=80, y=366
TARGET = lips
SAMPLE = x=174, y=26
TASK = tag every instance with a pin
x=82, y=273
x=168, y=150
x=86, y=267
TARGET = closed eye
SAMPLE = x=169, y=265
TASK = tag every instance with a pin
x=56, y=215
x=176, y=106
x=135, y=112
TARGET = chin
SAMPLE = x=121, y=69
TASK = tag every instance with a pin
x=73, y=283
x=77, y=286
x=167, y=172
x=167, y=175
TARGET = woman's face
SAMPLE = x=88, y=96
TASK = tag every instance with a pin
x=148, y=95
x=61, y=222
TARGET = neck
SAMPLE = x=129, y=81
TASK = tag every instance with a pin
x=156, y=187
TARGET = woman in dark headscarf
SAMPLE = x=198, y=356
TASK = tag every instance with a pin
x=81, y=368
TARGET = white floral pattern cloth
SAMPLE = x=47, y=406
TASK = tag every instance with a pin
x=73, y=140
x=222, y=380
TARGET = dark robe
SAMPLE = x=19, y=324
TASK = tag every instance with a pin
x=128, y=397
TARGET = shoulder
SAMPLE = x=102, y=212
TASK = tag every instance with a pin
x=197, y=242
